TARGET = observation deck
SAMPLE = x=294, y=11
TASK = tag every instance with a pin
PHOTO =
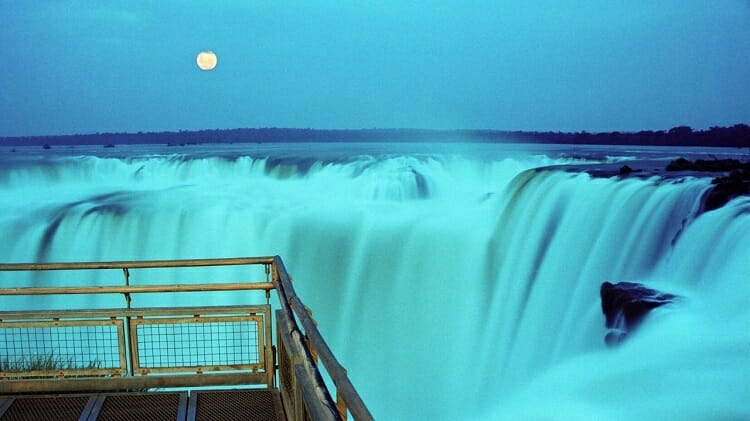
x=257, y=360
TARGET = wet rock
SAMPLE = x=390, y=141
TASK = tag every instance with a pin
x=735, y=183
x=727, y=188
x=626, y=170
x=625, y=305
x=680, y=164
x=704, y=165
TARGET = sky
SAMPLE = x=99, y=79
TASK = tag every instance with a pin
x=74, y=66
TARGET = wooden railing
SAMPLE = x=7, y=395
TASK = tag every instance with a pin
x=304, y=394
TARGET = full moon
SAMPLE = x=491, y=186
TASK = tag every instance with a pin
x=206, y=60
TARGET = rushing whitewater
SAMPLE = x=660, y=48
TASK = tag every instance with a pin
x=453, y=281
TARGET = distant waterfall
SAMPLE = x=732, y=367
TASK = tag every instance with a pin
x=451, y=288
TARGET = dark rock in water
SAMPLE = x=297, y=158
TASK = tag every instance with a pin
x=625, y=304
x=614, y=337
x=627, y=170
x=726, y=188
x=704, y=165
x=680, y=164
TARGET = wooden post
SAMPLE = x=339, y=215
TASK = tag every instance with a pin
x=341, y=405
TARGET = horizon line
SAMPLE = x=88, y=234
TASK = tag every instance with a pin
x=373, y=129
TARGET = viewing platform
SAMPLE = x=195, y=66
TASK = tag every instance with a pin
x=255, y=361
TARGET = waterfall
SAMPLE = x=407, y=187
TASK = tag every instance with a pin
x=451, y=287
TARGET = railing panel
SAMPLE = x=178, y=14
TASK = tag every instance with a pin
x=198, y=344
x=55, y=348
x=49, y=346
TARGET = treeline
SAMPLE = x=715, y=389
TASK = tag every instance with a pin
x=256, y=135
x=733, y=136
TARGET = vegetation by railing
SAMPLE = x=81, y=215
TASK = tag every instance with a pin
x=50, y=362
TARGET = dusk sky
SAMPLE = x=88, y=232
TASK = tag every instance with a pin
x=569, y=65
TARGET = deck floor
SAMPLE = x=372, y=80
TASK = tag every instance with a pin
x=248, y=404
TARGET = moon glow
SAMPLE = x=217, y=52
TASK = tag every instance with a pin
x=206, y=60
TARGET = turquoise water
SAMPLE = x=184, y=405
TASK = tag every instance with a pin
x=454, y=281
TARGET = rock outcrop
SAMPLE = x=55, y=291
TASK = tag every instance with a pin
x=736, y=183
x=625, y=305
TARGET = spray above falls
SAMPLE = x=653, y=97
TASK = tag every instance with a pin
x=452, y=284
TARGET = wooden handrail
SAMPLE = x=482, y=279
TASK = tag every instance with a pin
x=133, y=289
x=292, y=304
x=130, y=312
x=133, y=264
x=315, y=393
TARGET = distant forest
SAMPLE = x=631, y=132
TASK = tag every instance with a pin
x=734, y=136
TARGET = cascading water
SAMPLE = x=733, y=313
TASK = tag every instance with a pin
x=452, y=286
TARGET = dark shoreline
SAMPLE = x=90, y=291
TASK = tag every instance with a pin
x=730, y=178
x=733, y=136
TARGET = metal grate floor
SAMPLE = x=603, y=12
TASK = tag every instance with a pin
x=42, y=408
x=141, y=407
x=262, y=405
x=254, y=404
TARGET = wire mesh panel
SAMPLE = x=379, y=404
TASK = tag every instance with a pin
x=198, y=343
x=61, y=348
